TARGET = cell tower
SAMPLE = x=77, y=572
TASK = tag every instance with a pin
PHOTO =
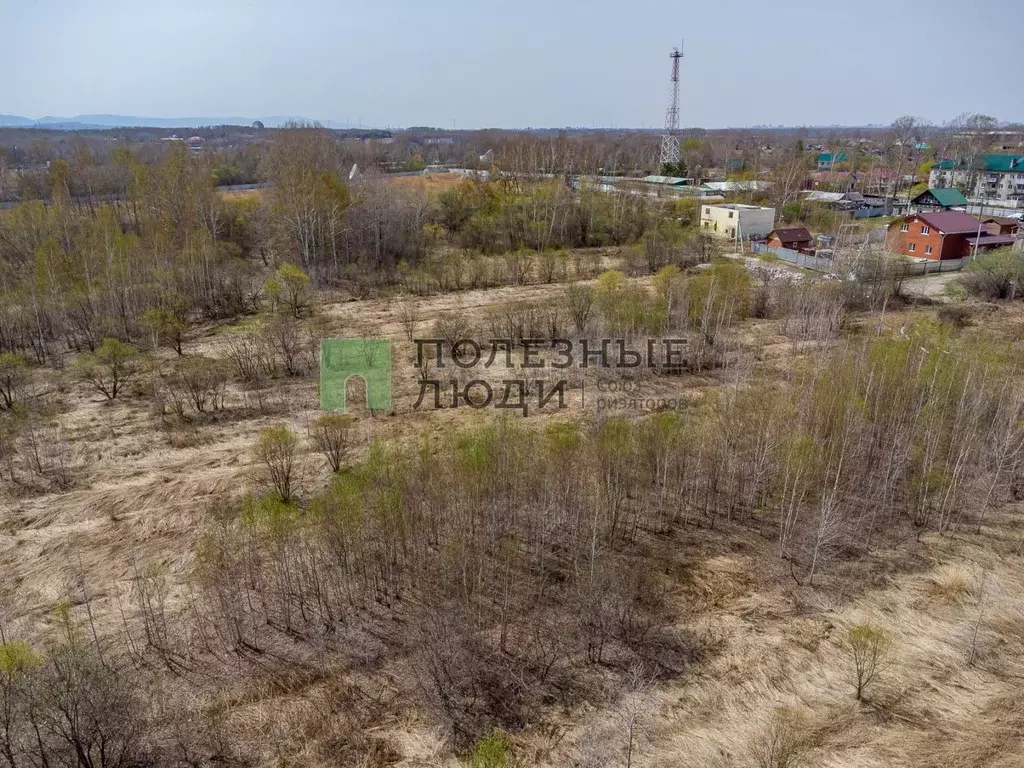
x=670, y=141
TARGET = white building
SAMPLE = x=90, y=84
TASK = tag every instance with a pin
x=736, y=221
x=990, y=177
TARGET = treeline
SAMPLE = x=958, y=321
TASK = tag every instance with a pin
x=170, y=251
x=494, y=218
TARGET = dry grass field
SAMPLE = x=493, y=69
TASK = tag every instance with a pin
x=431, y=182
x=774, y=663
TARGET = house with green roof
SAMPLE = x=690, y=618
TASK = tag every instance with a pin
x=827, y=160
x=940, y=199
x=988, y=177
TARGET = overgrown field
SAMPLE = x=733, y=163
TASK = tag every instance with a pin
x=801, y=547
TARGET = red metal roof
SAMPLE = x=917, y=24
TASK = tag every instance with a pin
x=992, y=240
x=951, y=222
x=791, y=235
x=1003, y=221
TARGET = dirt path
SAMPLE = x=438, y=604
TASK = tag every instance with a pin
x=931, y=287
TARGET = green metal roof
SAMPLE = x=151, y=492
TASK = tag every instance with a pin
x=1004, y=163
x=948, y=198
x=826, y=157
x=992, y=163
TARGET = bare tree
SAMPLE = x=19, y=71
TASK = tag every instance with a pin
x=110, y=368
x=871, y=652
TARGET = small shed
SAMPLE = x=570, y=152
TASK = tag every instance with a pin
x=1001, y=225
x=792, y=238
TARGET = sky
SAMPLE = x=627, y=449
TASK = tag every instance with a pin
x=514, y=64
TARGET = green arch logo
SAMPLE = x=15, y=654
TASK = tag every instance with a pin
x=340, y=359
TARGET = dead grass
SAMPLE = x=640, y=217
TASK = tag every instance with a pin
x=951, y=584
x=930, y=708
x=432, y=183
x=243, y=194
x=143, y=491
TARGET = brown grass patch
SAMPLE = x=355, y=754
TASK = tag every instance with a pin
x=950, y=584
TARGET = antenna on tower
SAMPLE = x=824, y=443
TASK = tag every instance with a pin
x=670, y=140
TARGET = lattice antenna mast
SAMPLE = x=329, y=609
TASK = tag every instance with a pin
x=670, y=141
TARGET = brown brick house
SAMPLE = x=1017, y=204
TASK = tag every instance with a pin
x=941, y=235
x=793, y=238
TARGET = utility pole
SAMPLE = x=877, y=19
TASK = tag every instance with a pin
x=670, y=139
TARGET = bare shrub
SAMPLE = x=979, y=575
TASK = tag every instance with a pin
x=458, y=681
x=409, y=316
x=995, y=275
x=580, y=302
x=331, y=435
x=782, y=742
x=276, y=452
x=42, y=444
x=251, y=358
x=109, y=368
x=452, y=327
x=150, y=592
x=72, y=708
x=956, y=315
x=519, y=267
x=14, y=376
x=518, y=320
x=200, y=382
x=552, y=265
x=809, y=312
x=286, y=339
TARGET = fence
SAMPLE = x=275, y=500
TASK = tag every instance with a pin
x=795, y=257
x=994, y=210
x=870, y=213
x=930, y=267
x=911, y=268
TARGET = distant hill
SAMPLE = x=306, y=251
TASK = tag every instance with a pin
x=15, y=120
x=87, y=122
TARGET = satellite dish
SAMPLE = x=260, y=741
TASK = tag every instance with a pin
x=258, y=125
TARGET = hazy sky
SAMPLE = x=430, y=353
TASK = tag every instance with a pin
x=514, y=63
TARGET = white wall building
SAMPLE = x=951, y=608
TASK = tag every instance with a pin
x=737, y=221
x=991, y=177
